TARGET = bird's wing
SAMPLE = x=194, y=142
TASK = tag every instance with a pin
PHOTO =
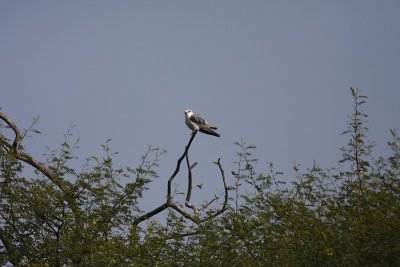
x=197, y=119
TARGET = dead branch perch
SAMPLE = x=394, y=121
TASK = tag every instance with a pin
x=194, y=217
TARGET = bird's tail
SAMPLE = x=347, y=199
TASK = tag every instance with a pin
x=209, y=131
x=212, y=126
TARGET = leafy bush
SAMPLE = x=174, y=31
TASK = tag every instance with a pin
x=347, y=215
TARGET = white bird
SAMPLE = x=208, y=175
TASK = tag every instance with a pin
x=196, y=123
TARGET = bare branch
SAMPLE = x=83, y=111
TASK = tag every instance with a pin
x=190, y=182
x=151, y=213
x=43, y=169
x=208, y=203
x=225, y=204
x=169, y=202
x=178, y=165
x=11, y=124
x=193, y=217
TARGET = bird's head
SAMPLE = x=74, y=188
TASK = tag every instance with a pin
x=188, y=113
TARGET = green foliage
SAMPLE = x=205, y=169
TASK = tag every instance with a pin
x=41, y=222
x=347, y=215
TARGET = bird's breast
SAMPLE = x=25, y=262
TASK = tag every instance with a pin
x=191, y=125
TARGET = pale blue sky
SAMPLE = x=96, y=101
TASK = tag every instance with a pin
x=276, y=73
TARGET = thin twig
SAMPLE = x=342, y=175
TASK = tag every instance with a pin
x=225, y=204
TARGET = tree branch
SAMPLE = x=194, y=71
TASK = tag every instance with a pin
x=225, y=204
x=179, y=164
x=11, y=124
x=190, y=182
x=66, y=187
x=177, y=235
x=25, y=157
x=169, y=202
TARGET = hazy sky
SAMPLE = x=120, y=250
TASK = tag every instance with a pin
x=276, y=73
